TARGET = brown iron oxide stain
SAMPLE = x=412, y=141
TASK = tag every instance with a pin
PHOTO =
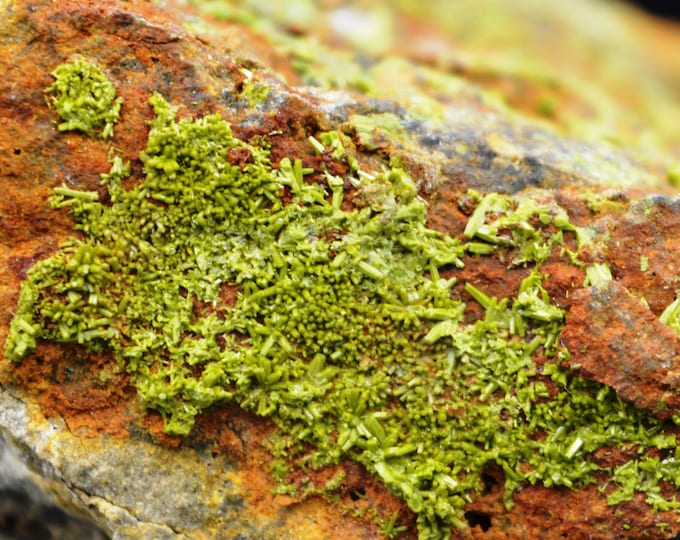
x=563, y=279
x=77, y=386
x=616, y=340
x=656, y=236
x=243, y=438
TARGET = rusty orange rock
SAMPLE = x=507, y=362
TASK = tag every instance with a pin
x=615, y=339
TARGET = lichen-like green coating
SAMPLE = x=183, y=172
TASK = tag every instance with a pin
x=343, y=330
x=85, y=99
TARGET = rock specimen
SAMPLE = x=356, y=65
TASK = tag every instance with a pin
x=261, y=286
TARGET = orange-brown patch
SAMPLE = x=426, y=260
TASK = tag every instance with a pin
x=80, y=387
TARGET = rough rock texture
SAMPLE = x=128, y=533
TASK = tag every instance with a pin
x=27, y=511
x=616, y=340
x=80, y=428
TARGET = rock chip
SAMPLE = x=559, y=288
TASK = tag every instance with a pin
x=616, y=340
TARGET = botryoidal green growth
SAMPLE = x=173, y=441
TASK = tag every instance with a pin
x=85, y=99
x=343, y=331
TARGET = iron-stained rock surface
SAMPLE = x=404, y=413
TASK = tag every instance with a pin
x=431, y=93
x=616, y=340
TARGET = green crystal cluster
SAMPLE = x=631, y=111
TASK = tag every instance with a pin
x=219, y=277
x=85, y=99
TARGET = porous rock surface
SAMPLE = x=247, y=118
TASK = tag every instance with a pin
x=91, y=446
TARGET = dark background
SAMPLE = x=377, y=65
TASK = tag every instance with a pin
x=670, y=8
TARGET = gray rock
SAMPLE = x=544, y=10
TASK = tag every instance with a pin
x=27, y=510
x=132, y=489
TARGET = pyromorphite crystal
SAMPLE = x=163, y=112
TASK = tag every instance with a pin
x=342, y=331
x=85, y=99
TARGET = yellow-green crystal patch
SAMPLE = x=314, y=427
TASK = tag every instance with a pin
x=85, y=99
x=343, y=330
